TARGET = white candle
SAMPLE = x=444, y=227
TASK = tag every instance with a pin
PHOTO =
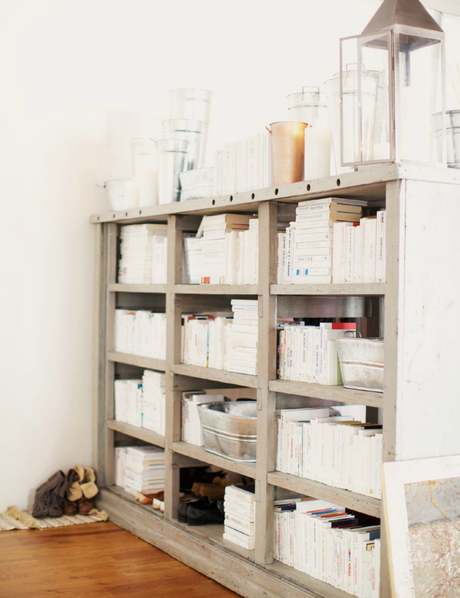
x=317, y=152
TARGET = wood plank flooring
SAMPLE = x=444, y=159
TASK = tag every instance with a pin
x=94, y=560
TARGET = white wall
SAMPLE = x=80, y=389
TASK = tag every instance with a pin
x=63, y=65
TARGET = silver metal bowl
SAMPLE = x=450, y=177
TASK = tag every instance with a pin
x=362, y=363
x=230, y=429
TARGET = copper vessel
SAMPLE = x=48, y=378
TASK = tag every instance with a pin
x=287, y=148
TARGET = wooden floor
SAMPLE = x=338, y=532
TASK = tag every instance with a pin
x=91, y=561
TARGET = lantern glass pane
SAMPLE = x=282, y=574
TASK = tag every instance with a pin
x=366, y=115
x=418, y=97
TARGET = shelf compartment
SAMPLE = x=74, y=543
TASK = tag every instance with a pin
x=137, y=360
x=195, y=371
x=121, y=492
x=344, y=498
x=376, y=289
x=216, y=289
x=137, y=288
x=324, y=392
x=201, y=454
x=140, y=433
x=321, y=588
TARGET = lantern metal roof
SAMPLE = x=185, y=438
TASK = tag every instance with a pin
x=408, y=13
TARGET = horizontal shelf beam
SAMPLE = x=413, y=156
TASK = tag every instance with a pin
x=346, y=289
x=137, y=288
x=323, y=392
x=216, y=289
x=140, y=433
x=344, y=498
x=130, y=498
x=137, y=360
x=224, y=376
x=201, y=454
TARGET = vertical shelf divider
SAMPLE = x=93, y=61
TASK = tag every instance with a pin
x=266, y=370
x=173, y=352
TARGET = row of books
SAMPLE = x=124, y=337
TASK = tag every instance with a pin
x=229, y=249
x=239, y=522
x=324, y=541
x=143, y=254
x=305, y=249
x=309, y=353
x=191, y=430
x=142, y=403
x=140, y=332
x=140, y=469
x=223, y=342
x=243, y=165
x=334, y=446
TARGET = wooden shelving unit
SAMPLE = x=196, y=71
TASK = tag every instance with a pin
x=412, y=308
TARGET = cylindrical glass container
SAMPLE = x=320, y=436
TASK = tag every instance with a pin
x=172, y=160
x=287, y=144
x=191, y=131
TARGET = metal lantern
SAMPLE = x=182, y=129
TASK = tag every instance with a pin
x=392, y=82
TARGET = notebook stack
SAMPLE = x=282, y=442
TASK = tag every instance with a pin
x=239, y=507
x=214, y=254
x=243, y=356
x=311, y=236
x=143, y=252
x=154, y=401
x=145, y=469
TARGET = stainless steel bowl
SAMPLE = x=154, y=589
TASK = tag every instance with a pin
x=362, y=363
x=230, y=429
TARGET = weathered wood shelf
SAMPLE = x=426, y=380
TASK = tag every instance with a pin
x=340, y=394
x=136, y=288
x=216, y=289
x=140, y=433
x=137, y=360
x=408, y=311
x=224, y=376
x=201, y=454
x=346, y=289
x=345, y=498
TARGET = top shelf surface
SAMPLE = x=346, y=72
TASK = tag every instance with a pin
x=367, y=184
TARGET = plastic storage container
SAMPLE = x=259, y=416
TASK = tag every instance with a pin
x=230, y=429
x=362, y=362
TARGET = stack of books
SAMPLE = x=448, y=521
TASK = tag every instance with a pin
x=214, y=244
x=206, y=341
x=239, y=508
x=144, y=469
x=191, y=424
x=324, y=541
x=331, y=445
x=309, y=353
x=128, y=402
x=154, y=401
x=360, y=251
x=191, y=265
x=140, y=333
x=243, y=165
x=243, y=356
x=143, y=254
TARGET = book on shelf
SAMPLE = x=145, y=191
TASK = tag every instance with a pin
x=324, y=541
x=141, y=403
x=335, y=446
x=140, y=469
x=214, y=342
x=309, y=353
x=239, y=522
x=191, y=264
x=143, y=254
x=191, y=430
x=140, y=332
